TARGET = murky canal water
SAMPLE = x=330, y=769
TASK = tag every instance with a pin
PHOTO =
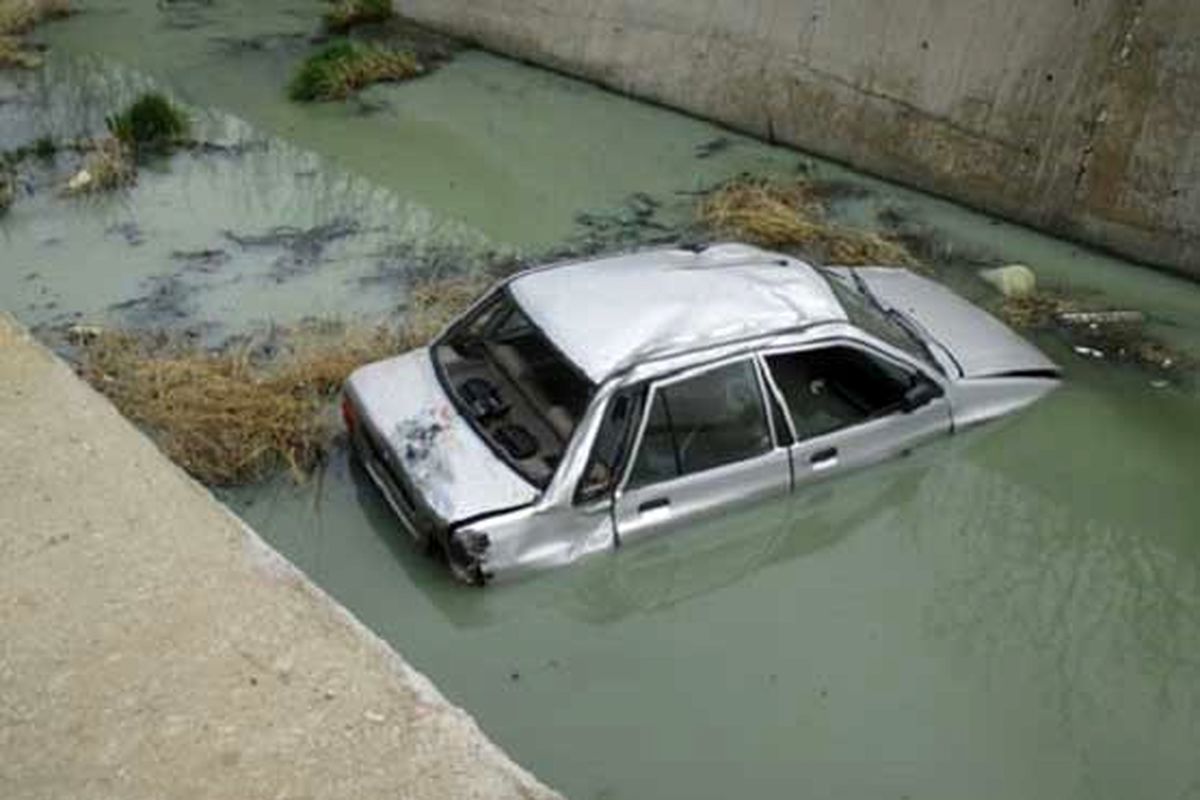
x=1013, y=613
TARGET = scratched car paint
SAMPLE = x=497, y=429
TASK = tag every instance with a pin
x=583, y=406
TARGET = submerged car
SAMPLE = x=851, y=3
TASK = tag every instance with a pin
x=582, y=406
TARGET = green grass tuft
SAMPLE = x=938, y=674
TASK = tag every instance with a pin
x=152, y=122
x=45, y=148
x=342, y=68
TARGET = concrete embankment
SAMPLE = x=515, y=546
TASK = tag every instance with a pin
x=1079, y=118
x=152, y=646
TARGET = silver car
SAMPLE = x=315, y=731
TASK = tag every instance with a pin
x=580, y=407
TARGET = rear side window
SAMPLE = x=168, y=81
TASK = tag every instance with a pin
x=706, y=421
x=611, y=446
x=830, y=388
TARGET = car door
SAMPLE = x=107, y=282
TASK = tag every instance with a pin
x=851, y=405
x=706, y=444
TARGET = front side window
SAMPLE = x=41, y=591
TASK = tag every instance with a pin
x=830, y=388
x=699, y=423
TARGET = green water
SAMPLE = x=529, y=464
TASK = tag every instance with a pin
x=1013, y=613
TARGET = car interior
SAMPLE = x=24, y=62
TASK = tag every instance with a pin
x=830, y=388
x=514, y=386
x=703, y=422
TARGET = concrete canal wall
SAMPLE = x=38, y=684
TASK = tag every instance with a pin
x=1080, y=117
x=152, y=646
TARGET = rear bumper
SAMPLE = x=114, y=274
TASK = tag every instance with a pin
x=392, y=486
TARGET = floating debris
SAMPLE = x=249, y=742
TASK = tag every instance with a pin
x=1102, y=317
x=1012, y=281
x=1096, y=333
x=108, y=165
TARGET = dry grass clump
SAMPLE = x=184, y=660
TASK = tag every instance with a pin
x=109, y=165
x=7, y=189
x=236, y=416
x=20, y=16
x=14, y=53
x=346, y=14
x=229, y=417
x=434, y=303
x=342, y=68
x=1036, y=310
x=790, y=215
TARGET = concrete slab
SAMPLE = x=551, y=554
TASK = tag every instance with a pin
x=152, y=646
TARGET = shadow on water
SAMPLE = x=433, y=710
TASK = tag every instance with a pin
x=603, y=589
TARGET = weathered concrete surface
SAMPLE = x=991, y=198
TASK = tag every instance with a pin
x=1081, y=117
x=152, y=647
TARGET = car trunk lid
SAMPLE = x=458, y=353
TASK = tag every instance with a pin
x=431, y=451
x=979, y=344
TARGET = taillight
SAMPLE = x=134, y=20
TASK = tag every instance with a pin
x=348, y=414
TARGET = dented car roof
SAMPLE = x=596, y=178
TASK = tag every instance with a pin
x=608, y=314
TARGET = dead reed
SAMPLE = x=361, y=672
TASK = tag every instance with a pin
x=238, y=415
x=109, y=165
x=19, y=17
x=790, y=215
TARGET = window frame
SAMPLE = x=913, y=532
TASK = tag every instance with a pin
x=866, y=346
x=657, y=384
x=638, y=394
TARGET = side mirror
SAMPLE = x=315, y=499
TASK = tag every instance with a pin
x=920, y=394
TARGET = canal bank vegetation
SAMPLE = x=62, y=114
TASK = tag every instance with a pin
x=792, y=216
x=242, y=413
x=150, y=123
x=346, y=14
x=108, y=165
x=341, y=68
x=18, y=18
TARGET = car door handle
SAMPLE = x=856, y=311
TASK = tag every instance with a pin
x=660, y=503
x=824, y=459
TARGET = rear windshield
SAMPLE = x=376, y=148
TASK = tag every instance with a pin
x=522, y=396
